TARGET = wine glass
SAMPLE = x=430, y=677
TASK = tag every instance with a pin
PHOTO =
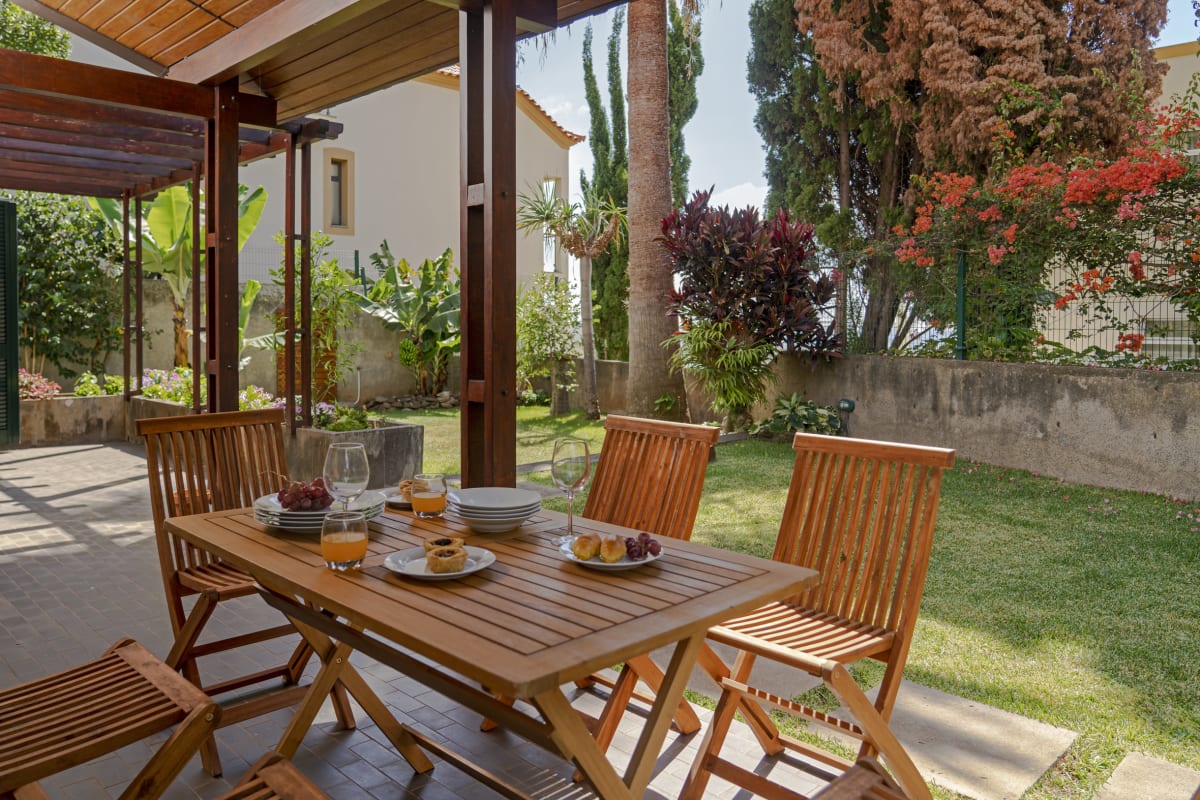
x=570, y=468
x=346, y=471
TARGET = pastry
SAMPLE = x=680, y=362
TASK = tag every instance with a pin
x=586, y=546
x=447, y=559
x=612, y=549
x=442, y=541
x=405, y=488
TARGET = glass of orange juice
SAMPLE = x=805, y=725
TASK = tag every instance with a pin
x=429, y=495
x=344, y=540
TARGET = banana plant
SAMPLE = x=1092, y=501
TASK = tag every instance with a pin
x=422, y=305
x=167, y=243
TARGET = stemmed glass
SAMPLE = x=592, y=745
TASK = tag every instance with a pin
x=570, y=468
x=346, y=471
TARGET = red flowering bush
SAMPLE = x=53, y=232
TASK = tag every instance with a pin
x=1125, y=226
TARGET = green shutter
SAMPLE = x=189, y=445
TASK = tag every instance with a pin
x=10, y=406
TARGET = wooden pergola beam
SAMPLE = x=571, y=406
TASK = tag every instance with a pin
x=272, y=33
x=16, y=145
x=53, y=76
x=41, y=183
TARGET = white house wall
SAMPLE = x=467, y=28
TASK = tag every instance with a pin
x=405, y=149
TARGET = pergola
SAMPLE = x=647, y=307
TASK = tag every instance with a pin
x=237, y=76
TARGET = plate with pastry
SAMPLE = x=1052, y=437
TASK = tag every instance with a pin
x=611, y=552
x=439, y=562
x=399, y=496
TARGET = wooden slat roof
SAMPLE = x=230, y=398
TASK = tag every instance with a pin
x=306, y=54
x=78, y=129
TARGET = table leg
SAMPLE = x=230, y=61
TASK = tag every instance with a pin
x=574, y=740
x=336, y=668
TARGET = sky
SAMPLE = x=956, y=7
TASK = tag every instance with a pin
x=725, y=148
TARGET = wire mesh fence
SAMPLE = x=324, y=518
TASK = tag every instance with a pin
x=1015, y=318
x=257, y=262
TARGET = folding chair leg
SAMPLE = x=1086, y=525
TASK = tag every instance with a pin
x=186, y=636
x=32, y=791
x=686, y=721
x=490, y=725
x=757, y=718
x=166, y=764
x=210, y=757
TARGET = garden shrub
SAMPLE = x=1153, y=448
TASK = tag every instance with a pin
x=794, y=414
x=32, y=386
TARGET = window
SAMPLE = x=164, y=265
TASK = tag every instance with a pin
x=339, y=191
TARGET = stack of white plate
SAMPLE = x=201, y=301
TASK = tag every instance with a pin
x=268, y=511
x=493, y=509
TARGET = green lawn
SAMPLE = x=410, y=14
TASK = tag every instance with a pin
x=536, y=432
x=1073, y=605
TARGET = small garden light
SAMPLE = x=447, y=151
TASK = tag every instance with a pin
x=845, y=406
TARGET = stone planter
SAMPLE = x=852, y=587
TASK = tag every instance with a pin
x=68, y=419
x=395, y=451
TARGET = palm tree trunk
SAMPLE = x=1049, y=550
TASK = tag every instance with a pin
x=591, y=401
x=179, y=324
x=650, y=375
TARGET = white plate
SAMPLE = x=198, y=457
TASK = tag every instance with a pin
x=517, y=513
x=494, y=526
x=494, y=498
x=367, y=501
x=411, y=563
x=596, y=563
x=303, y=525
x=395, y=499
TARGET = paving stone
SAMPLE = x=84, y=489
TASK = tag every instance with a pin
x=1148, y=778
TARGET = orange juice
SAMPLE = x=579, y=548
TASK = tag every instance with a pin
x=431, y=503
x=344, y=549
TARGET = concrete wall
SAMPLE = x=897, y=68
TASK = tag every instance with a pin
x=1127, y=429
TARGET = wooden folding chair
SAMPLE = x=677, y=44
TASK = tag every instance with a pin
x=273, y=777
x=213, y=462
x=649, y=477
x=866, y=780
x=58, y=722
x=862, y=513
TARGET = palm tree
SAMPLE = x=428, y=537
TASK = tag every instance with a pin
x=585, y=231
x=654, y=390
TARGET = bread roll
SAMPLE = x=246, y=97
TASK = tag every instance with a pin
x=586, y=546
x=612, y=549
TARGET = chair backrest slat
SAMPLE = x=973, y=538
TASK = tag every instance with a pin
x=209, y=462
x=650, y=475
x=862, y=513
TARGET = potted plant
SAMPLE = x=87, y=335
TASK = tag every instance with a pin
x=394, y=449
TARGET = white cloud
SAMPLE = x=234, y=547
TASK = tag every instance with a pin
x=740, y=196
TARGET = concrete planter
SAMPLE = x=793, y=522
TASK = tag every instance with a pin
x=150, y=408
x=68, y=419
x=394, y=450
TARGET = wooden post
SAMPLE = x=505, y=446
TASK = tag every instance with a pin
x=306, y=337
x=487, y=53
x=289, y=285
x=126, y=313
x=221, y=222
x=197, y=355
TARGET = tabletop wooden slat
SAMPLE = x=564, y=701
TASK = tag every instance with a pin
x=529, y=622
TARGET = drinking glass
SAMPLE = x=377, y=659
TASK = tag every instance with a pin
x=346, y=471
x=429, y=495
x=344, y=540
x=570, y=468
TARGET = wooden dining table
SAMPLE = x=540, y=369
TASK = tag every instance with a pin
x=523, y=627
